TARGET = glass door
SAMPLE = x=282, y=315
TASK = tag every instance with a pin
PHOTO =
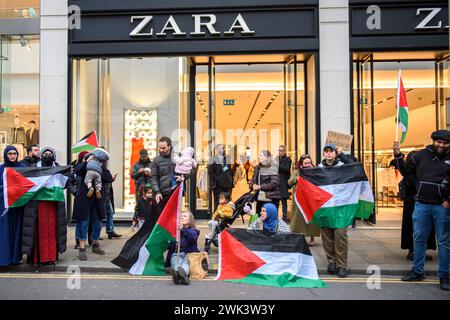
x=212, y=120
x=290, y=107
x=366, y=141
x=442, y=94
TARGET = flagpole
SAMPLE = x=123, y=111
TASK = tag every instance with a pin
x=398, y=104
x=178, y=221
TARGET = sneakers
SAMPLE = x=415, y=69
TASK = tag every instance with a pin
x=184, y=278
x=175, y=277
x=331, y=268
x=90, y=192
x=412, y=276
x=96, y=249
x=82, y=254
x=342, y=272
x=444, y=283
x=112, y=234
x=98, y=194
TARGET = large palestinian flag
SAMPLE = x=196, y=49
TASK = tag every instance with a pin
x=268, y=259
x=24, y=184
x=332, y=197
x=151, y=254
x=87, y=143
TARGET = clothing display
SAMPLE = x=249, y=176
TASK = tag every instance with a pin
x=32, y=137
x=202, y=187
x=18, y=136
x=140, y=133
x=136, y=146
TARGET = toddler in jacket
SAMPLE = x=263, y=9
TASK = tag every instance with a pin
x=225, y=209
x=184, y=164
x=93, y=179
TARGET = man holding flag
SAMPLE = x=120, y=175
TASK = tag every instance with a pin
x=428, y=168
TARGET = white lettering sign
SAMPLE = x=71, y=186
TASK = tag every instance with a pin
x=201, y=24
x=426, y=22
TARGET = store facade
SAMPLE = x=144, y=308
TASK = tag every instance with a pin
x=386, y=37
x=137, y=70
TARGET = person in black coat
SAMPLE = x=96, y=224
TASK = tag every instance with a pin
x=220, y=175
x=284, y=171
x=408, y=192
x=88, y=209
x=32, y=157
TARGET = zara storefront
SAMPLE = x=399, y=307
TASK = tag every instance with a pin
x=281, y=71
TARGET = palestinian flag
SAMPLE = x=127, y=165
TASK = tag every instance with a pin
x=332, y=197
x=130, y=251
x=88, y=142
x=151, y=254
x=402, y=107
x=24, y=184
x=267, y=259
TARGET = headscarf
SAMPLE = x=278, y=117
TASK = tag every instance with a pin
x=271, y=221
x=6, y=159
x=81, y=156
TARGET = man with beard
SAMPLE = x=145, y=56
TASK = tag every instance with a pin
x=141, y=173
x=33, y=156
x=429, y=167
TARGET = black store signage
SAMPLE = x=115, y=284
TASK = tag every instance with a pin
x=189, y=30
x=407, y=25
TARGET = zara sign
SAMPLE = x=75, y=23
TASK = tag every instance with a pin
x=200, y=24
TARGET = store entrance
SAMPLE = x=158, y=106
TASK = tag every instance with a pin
x=247, y=104
x=375, y=77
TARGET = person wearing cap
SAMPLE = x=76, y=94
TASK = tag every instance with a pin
x=141, y=172
x=335, y=240
x=429, y=167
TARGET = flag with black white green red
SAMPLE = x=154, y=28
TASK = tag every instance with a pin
x=332, y=197
x=267, y=259
x=21, y=185
x=151, y=254
x=402, y=108
x=87, y=143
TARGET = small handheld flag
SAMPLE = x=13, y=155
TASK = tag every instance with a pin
x=88, y=142
x=402, y=109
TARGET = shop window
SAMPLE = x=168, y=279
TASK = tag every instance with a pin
x=23, y=9
x=19, y=93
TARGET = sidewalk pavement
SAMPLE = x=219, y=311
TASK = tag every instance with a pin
x=368, y=246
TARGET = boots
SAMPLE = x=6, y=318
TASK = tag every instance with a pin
x=444, y=283
x=207, y=245
x=112, y=234
x=82, y=254
x=98, y=194
x=90, y=192
x=96, y=249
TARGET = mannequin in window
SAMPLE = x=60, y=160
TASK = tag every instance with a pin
x=137, y=144
x=18, y=133
x=32, y=135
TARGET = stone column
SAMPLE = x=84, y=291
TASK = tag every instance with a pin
x=334, y=67
x=53, y=77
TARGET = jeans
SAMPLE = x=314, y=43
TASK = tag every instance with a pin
x=182, y=261
x=110, y=220
x=424, y=216
x=82, y=227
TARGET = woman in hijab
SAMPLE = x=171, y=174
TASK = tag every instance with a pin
x=10, y=219
x=269, y=220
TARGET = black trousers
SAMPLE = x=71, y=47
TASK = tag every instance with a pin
x=284, y=207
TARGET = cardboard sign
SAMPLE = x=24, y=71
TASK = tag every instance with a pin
x=340, y=140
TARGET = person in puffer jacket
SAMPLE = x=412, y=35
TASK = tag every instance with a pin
x=184, y=164
x=94, y=169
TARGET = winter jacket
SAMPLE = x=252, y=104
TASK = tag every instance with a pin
x=107, y=180
x=82, y=205
x=141, y=179
x=428, y=170
x=284, y=171
x=94, y=165
x=163, y=169
x=340, y=160
x=29, y=226
x=29, y=161
x=220, y=173
x=224, y=211
x=189, y=237
x=185, y=163
x=267, y=177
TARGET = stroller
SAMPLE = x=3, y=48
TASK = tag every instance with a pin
x=227, y=222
